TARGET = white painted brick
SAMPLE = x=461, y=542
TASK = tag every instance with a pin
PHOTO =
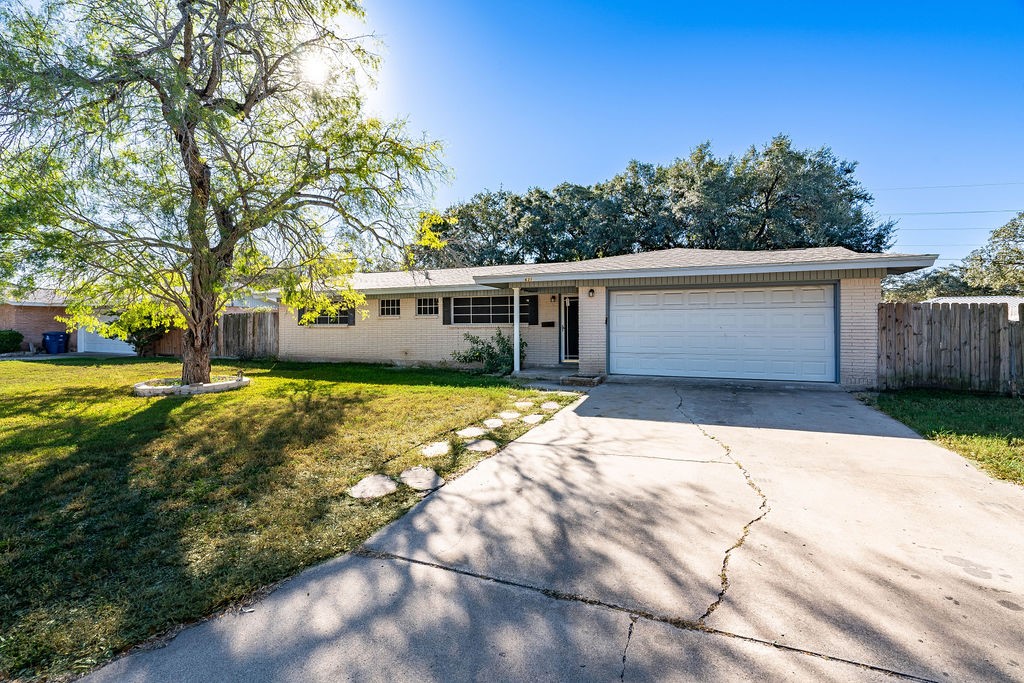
x=408, y=338
x=858, y=331
x=593, y=330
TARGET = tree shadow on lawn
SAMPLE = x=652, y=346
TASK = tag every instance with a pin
x=126, y=524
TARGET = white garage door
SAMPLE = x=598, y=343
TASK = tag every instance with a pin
x=94, y=343
x=743, y=333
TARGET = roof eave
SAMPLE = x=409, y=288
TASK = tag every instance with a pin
x=894, y=265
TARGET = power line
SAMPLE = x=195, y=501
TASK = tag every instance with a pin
x=975, y=227
x=944, y=187
x=943, y=213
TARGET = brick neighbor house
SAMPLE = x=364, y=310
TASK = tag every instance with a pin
x=33, y=315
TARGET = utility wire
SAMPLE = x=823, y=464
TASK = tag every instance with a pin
x=943, y=187
x=944, y=213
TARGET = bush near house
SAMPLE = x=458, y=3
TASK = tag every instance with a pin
x=494, y=354
x=10, y=341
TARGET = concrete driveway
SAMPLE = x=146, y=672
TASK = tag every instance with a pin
x=660, y=531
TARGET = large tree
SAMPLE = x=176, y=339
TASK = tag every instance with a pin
x=995, y=268
x=771, y=197
x=998, y=266
x=174, y=155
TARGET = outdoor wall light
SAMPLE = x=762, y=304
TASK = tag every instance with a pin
x=554, y=298
x=591, y=294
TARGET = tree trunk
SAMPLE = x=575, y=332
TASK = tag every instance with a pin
x=197, y=340
x=195, y=357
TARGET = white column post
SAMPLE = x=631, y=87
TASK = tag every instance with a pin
x=515, y=330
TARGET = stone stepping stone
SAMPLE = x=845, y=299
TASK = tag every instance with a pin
x=471, y=432
x=523, y=405
x=533, y=419
x=421, y=479
x=373, y=486
x=549, y=405
x=481, y=445
x=436, y=449
x=494, y=423
x=509, y=415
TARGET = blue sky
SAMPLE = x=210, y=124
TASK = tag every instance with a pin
x=535, y=93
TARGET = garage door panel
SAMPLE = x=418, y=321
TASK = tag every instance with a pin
x=756, y=333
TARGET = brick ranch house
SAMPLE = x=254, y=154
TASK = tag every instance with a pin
x=798, y=314
x=36, y=313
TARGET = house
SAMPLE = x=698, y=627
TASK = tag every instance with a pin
x=1013, y=302
x=799, y=314
x=37, y=312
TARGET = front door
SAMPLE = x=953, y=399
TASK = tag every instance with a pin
x=571, y=328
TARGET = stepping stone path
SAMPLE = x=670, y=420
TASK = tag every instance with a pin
x=481, y=445
x=549, y=405
x=509, y=415
x=436, y=449
x=523, y=405
x=421, y=479
x=494, y=423
x=533, y=419
x=471, y=432
x=373, y=486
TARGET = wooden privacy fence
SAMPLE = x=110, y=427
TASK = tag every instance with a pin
x=237, y=335
x=972, y=347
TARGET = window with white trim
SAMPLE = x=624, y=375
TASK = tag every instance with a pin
x=390, y=308
x=487, y=310
x=427, y=307
x=344, y=316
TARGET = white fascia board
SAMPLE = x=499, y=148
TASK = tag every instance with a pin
x=426, y=289
x=913, y=262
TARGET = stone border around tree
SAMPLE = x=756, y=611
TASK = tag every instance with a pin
x=168, y=388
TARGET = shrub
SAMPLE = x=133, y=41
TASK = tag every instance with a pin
x=10, y=341
x=495, y=354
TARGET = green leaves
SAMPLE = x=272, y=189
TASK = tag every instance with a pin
x=774, y=197
x=181, y=154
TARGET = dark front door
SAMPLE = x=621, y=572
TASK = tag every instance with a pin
x=571, y=322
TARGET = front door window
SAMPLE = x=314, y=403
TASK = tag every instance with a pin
x=571, y=328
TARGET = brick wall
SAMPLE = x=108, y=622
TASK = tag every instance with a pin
x=32, y=321
x=409, y=338
x=858, y=331
x=593, y=330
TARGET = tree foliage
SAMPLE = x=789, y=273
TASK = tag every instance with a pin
x=772, y=197
x=186, y=153
x=997, y=268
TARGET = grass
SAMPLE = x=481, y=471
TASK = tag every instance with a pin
x=986, y=429
x=121, y=517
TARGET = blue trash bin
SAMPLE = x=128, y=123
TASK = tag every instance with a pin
x=55, y=342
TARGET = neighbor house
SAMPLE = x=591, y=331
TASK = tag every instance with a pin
x=799, y=314
x=34, y=314
x=1013, y=302
x=37, y=312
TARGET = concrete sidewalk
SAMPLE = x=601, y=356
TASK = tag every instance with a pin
x=593, y=548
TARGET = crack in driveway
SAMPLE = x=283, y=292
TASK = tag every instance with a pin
x=636, y=614
x=629, y=637
x=763, y=509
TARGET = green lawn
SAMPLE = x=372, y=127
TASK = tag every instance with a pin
x=122, y=516
x=987, y=429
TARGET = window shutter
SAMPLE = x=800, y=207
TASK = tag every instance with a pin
x=446, y=308
x=351, y=316
x=533, y=310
